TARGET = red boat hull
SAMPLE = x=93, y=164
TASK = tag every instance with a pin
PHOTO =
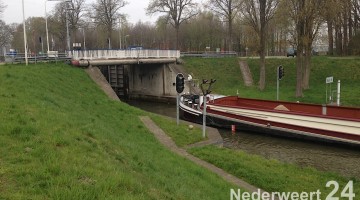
x=307, y=121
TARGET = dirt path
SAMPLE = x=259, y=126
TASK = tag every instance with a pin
x=167, y=142
x=246, y=73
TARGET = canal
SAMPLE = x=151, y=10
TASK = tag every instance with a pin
x=323, y=157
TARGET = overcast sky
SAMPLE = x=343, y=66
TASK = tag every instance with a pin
x=135, y=10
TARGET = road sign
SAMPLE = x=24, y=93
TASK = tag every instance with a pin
x=329, y=79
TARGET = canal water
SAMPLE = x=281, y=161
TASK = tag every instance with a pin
x=324, y=157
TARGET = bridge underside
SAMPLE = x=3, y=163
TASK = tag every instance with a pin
x=145, y=79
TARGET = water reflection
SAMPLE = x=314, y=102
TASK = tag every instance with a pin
x=320, y=156
x=306, y=154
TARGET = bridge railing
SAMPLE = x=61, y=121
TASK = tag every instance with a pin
x=123, y=54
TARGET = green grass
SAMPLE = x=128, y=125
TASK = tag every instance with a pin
x=62, y=138
x=181, y=134
x=229, y=78
x=272, y=175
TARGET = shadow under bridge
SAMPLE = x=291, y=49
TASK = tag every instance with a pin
x=137, y=77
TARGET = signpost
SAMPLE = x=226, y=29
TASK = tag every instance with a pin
x=329, y=80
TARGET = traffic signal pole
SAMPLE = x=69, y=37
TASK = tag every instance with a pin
x=280, y=73
x=180, y=85
x=177, y=108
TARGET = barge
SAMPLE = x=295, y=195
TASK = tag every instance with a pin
x=334, y=124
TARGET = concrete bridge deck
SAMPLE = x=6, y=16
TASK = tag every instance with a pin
x=134, y=73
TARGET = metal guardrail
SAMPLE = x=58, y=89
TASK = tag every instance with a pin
x=20, y=58
x=209, y=54
x=123, y=54
x=94, y=55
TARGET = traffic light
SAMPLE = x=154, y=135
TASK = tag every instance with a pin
x=281, y=72
x=180, y=82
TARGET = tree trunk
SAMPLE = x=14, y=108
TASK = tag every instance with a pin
x=345, y=35
x=230, y=34
x=330, y=37
x=300, y=27
x=307, y=66
x=262, y=44
x=109, y=34
x=177, y=27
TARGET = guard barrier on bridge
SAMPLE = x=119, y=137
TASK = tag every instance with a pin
x=123, y=54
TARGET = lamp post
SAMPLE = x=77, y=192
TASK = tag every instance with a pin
x=67, y=24
x=205, y=93
x=120, y=32
x=126, y=40
x=84, y=38
x=25, y=40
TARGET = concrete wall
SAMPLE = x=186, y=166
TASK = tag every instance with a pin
x=152, y=80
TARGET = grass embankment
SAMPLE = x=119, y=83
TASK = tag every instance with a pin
x=181, y=134
x=62, y=138
x=273, y=175
x=229, y=78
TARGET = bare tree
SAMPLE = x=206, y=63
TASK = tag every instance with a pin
x=258, y=13
x=227, y=10
x=5, y=34
x=307, y=18
x=76, y=12
x=2, y=7
x=177, y=11
x=106, y=13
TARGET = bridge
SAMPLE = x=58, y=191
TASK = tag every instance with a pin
x=135, y=73
x=123, y=54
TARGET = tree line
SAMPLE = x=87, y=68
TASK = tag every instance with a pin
x=249, y=27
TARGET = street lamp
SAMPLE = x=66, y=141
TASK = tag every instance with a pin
x=120, y=31
x=126, y=40
x=25, y=40
x=83, y=29
x=67, y=24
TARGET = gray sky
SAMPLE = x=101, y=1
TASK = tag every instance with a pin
x=13, y=13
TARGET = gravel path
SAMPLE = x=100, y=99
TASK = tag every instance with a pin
x=246, y=73
x=167, y=142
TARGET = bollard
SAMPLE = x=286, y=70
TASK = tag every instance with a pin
x=233, y=128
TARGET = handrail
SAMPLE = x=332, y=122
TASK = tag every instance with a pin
x=121, y=54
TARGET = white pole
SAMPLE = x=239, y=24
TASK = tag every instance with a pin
x=25, y=40
x=84, y=39
x=277, y=84
x=204, y=116
x=177, y=108
x=67, y=26
x=338, y=93
x=47, y=29
x=120, y=31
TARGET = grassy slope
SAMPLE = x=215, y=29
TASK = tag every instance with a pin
x=273, y=175
x=181, y=134
x=227, y=72
x=62, y=138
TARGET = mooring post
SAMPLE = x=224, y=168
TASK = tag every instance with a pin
x=338, y=94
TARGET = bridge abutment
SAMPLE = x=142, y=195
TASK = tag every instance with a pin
x=145, y=74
